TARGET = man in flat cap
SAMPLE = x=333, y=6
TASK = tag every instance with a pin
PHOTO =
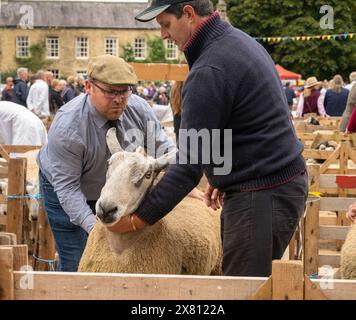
x=73, y=163
x=232, y=88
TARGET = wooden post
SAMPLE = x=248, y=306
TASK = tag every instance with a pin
x=287, y=280
x=20, y=256
x=16, y=187
x=341, y=215
x=292, y=245
x=7, y=238
x=6, y=274
x=264, y=292
x=45, y=247
x=311, y=237
x=314, y=177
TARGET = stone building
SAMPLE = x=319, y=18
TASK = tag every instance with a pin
x=74, y=31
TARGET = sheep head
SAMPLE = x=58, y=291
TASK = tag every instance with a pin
x=129, y=176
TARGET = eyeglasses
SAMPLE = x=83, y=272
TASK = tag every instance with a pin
x=111, y=94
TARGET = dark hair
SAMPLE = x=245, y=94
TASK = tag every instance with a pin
x=202, y=7
x=287, y=84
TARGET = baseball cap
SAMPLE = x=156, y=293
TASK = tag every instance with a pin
x=156, y=7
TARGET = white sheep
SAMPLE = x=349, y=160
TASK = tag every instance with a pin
x=186, y=241
x=348, y=255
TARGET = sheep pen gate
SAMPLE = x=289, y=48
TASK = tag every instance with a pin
x=16, y=220
x=287, y=282
x=14, y=170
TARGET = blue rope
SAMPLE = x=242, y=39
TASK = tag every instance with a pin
x=36, y=196
x=314, y=276
x=51, y=263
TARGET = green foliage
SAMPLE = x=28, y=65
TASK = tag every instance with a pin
x=7, y=73
x=129, y=55
x=37, y=59
x=321, y=58
x=157, y=50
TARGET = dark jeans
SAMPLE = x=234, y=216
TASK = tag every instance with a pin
x=256, y=226
x=70, y=239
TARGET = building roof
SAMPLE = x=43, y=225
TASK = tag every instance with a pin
x=75, y=14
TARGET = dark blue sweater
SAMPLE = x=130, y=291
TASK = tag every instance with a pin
x=335, y=102
x=20, y=92
x=232, y=84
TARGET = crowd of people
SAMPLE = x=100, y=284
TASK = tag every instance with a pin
x=33, y=92
x=327, y=99
x=41, y=93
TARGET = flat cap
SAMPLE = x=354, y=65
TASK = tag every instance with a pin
x=111, y=70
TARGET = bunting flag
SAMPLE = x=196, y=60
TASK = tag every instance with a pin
x=324, y=37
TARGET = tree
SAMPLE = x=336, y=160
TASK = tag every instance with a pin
x=321, y=58
x=157, y=50
x=129, y=54
x=36, y=60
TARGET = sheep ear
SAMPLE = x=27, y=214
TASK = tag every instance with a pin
x=137, y=172
x=112, y=142
x=162, y=162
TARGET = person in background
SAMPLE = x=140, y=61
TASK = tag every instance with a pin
x=38, y=96
x=352, y=78
x=20, y=126
x=74, y=161
x=7, y=93
x=351, y=126
x=324, y=87
x=290, y=95
x=350, y=104
x=139, y=92
x=160, y=96
x=311, y=101
x=20, y=87
x=80, y=87
x=55, y=98
x=176, y=104
x=69, y=92
x=336, y=98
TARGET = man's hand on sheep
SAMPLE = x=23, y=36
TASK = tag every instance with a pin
x=351, y=214
x=213, y=197
x=128, y=223
x=197, y=194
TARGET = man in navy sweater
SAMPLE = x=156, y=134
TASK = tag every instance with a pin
x=233, y=87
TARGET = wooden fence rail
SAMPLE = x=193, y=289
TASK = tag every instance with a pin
x=287, y=282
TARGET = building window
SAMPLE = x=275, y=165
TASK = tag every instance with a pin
x=111, y=46
x=55, y=73
x=171, y=50
x=22, y=47
x=140, y=49
x=52, y=46
x=82, y=47
x=82, y=73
